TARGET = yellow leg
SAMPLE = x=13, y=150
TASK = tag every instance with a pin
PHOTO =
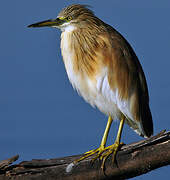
x=102, y=148
x=106, y=132
x=103, y=152
x=114, y=147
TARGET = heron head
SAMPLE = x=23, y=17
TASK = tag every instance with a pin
x=72, y=16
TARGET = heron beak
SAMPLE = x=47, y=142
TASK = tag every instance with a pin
x=49, y=23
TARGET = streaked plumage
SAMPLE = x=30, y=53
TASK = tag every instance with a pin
x=103, y=68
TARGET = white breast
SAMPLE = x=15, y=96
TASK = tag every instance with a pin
x=84, y=86
x=67, y=54
x=97, y=94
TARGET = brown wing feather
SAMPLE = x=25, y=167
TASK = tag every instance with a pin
x=124, y=70
x=126, y=74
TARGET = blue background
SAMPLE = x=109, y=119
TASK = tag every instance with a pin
x=41, y=115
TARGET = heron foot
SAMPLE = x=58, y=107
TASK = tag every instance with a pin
x=102, y=153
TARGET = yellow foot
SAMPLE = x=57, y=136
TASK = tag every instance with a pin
x=102, y=153
x=99, y=151
x=113, y=149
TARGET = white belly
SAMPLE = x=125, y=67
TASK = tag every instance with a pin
x=93, y=92
x=98, y=92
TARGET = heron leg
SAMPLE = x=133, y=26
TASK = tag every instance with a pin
x=102, y=147
x=104, y=152
x=114, y=147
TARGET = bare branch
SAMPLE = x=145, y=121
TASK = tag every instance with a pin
x=132, y=160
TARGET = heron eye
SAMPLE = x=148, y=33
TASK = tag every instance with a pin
x=69, y=18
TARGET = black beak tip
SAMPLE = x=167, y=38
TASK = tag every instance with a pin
x=31, y=25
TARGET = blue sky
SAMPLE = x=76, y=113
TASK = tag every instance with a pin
x=41, y=115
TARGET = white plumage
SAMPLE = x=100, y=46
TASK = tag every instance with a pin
x=97, y=94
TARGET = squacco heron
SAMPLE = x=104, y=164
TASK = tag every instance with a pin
x=102, y=66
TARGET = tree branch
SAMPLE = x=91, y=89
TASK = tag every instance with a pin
x=132, y=160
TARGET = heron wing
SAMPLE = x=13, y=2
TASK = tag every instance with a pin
x=126, y=81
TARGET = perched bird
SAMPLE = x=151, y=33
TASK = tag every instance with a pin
x=102, y=66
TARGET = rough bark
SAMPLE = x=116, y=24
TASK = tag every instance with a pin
x=131, y=160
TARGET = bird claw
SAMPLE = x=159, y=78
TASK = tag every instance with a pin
x=90, y=153
x=113, y=149
x=102, y=153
